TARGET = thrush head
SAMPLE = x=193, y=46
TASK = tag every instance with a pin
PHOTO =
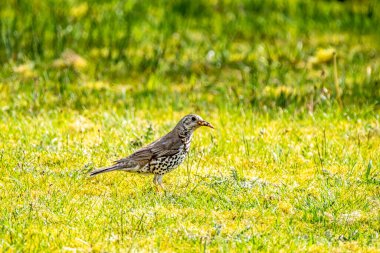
x=192, y=121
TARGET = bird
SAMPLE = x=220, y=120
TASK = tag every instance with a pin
x=162, y=155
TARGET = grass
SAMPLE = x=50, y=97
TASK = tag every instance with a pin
x=293, y=164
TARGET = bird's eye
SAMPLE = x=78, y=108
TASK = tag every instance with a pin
x=193, y=118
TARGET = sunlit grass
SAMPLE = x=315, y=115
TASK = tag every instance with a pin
x=254, y=183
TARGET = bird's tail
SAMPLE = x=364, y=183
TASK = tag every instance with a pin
x=102, y=170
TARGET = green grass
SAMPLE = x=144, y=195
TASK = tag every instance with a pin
x=294, y=161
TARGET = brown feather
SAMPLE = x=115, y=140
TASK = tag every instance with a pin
x=165, y=146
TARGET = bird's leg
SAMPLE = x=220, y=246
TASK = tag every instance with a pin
x=157, y=180
x=155, y=183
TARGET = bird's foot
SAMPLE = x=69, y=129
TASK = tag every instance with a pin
x=159, y=188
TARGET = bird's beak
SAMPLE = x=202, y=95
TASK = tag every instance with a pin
x=205, y=123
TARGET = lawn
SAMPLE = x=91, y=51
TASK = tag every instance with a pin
x=292, y=88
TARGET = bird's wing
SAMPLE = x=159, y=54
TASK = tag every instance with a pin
x=168, y=145
x=165, y=146
x=141, y=157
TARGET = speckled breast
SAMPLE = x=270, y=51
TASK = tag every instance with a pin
x=165, y=164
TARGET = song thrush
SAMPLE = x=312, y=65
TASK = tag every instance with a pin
x=162, y=155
